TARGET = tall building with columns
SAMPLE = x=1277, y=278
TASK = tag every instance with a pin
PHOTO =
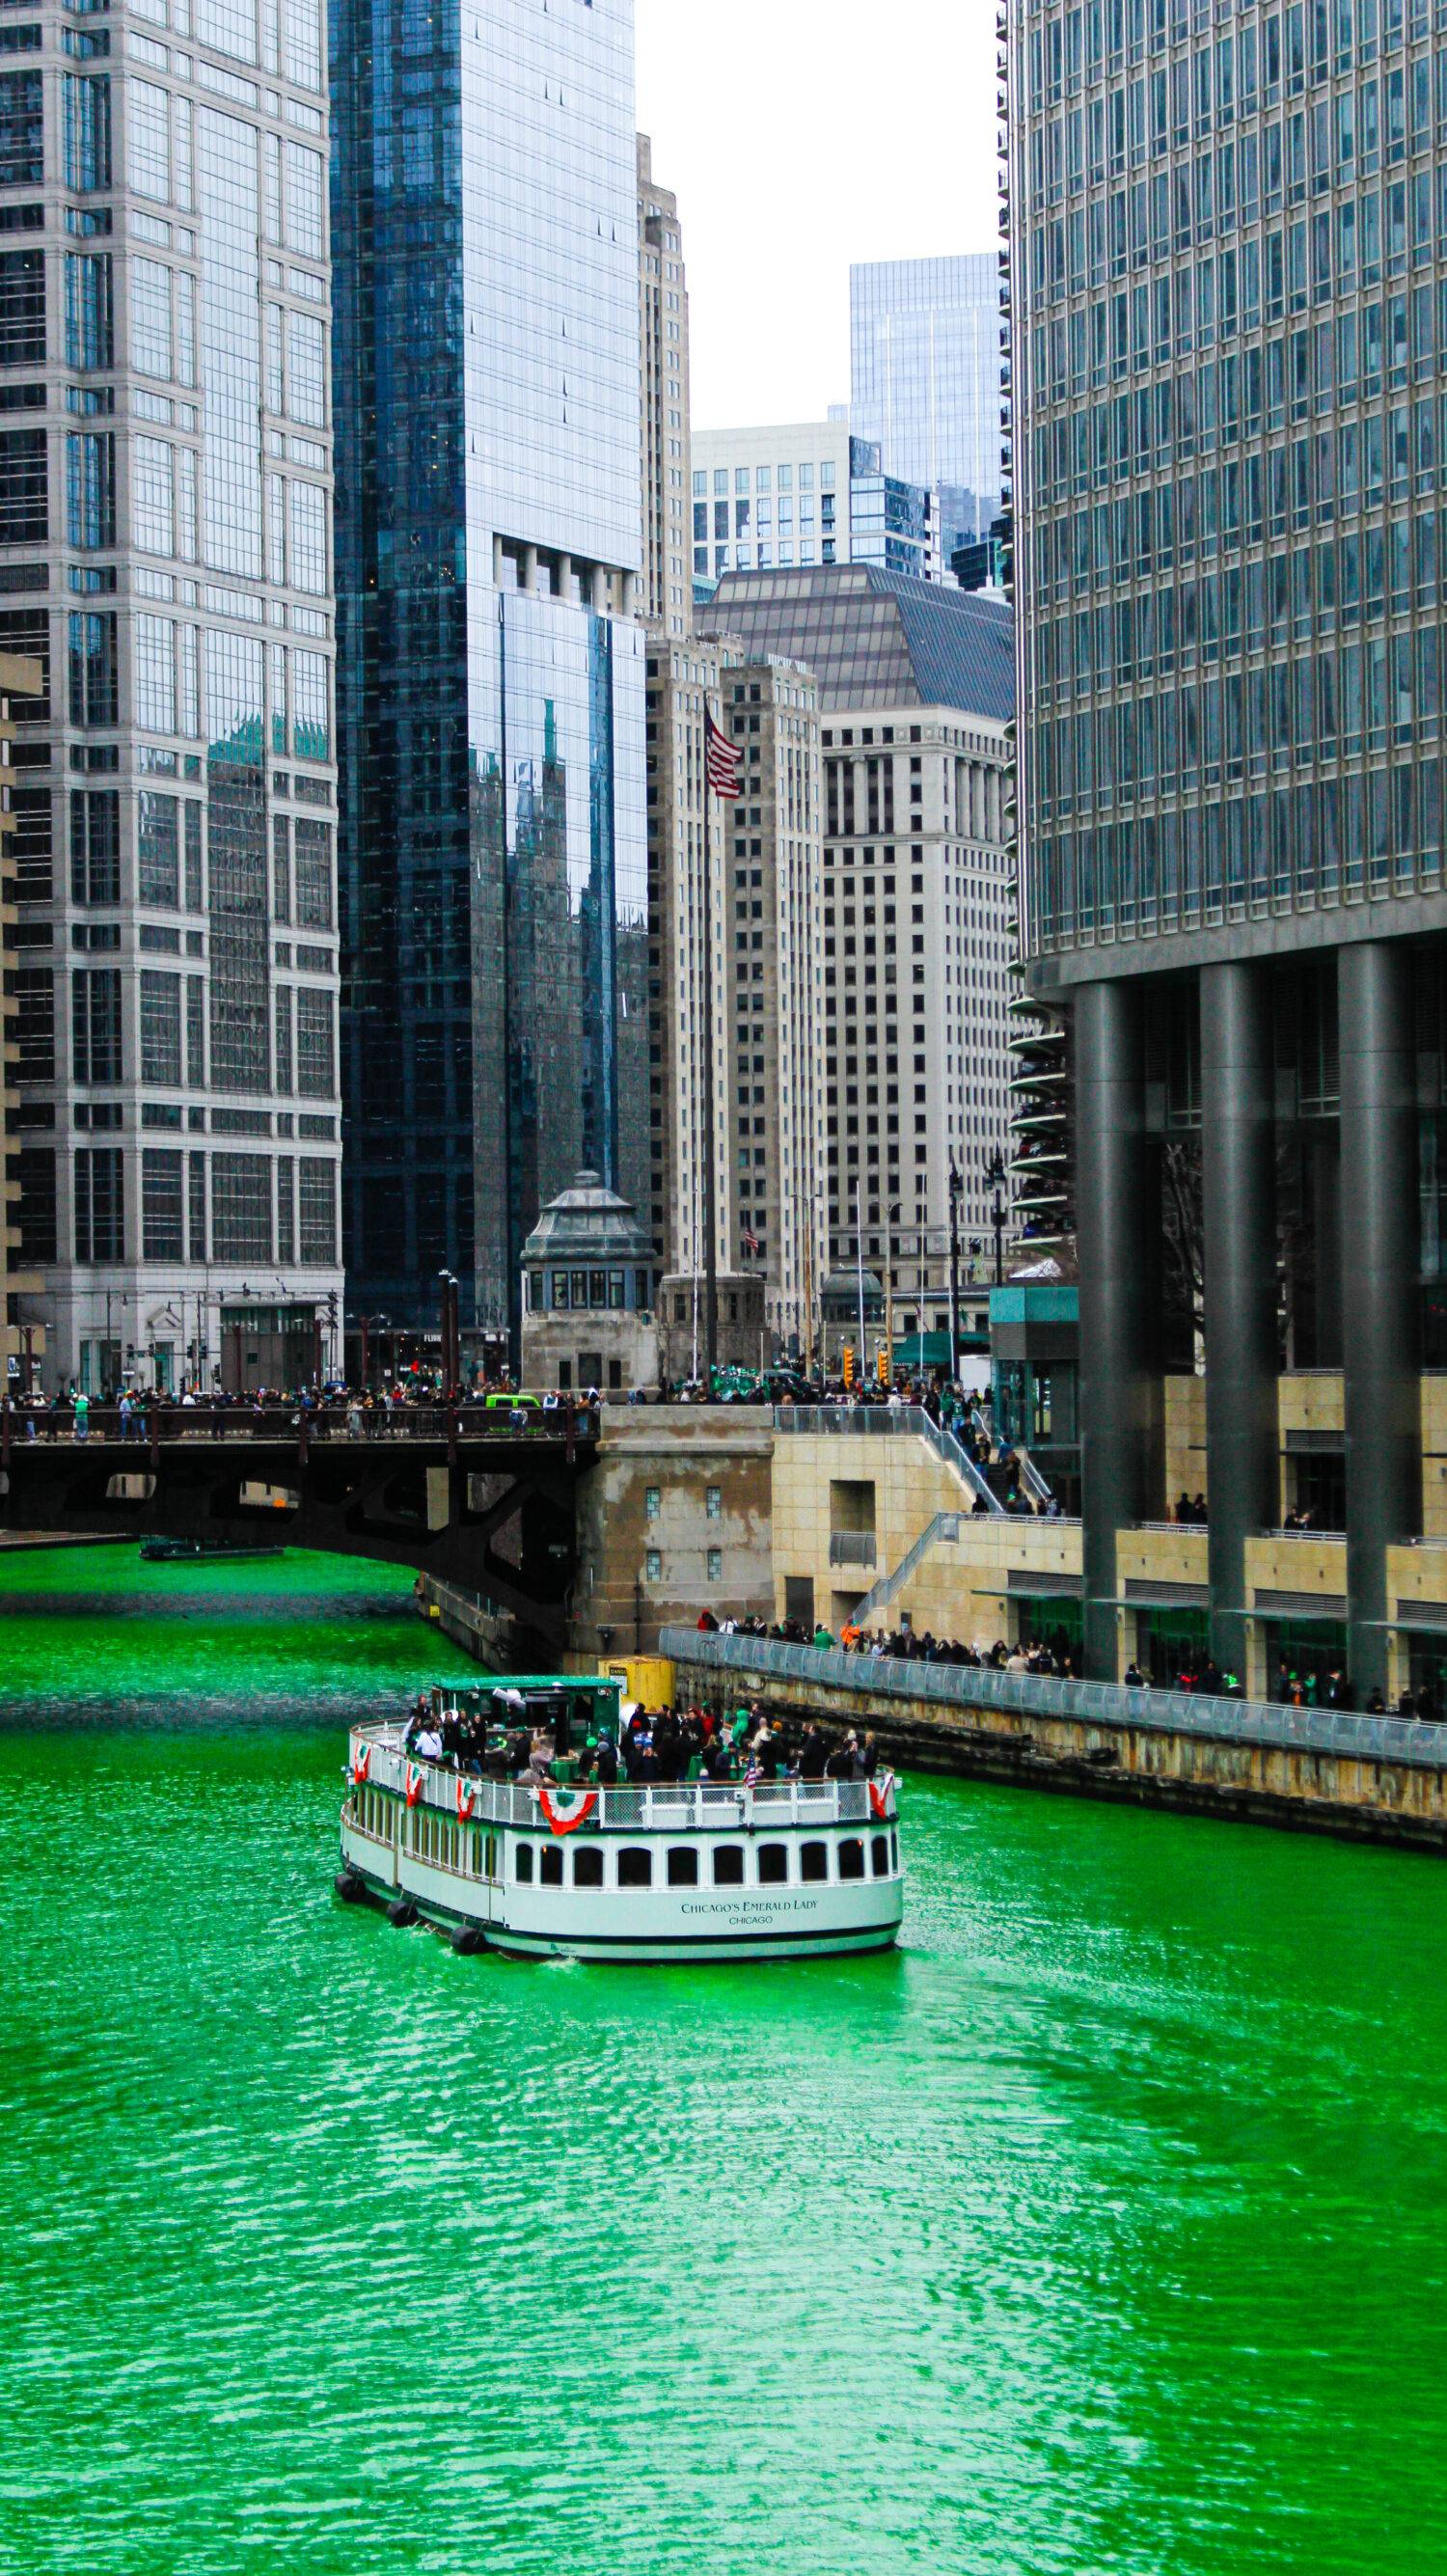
x=165, y=556
x=489, y=543
x=1228, y=283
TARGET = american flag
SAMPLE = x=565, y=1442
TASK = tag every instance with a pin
x=753, y=1775
x=750, y=1241
x=723, y=761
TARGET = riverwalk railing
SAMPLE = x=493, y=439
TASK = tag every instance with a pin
x=971, y=1686
x=377, y=1759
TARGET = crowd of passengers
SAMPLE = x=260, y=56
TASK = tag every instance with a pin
x=661, y=1744
x=900, y=1645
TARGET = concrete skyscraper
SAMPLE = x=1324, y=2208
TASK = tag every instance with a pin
x=489, y=549
x=165, y=539
x=914, y=693
x=1228, y=277
x=666, y=591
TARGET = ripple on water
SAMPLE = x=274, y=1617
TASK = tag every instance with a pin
x=1098, y=2229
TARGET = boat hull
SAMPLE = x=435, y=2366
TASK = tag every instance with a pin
x=653, y=1926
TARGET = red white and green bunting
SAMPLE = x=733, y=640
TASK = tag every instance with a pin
x=565, y=1815
x=415, y=1777
x=466, y=1797
x=362, y=1767
x=879, y=1795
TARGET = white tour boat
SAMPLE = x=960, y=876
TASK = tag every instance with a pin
x=773, y=1869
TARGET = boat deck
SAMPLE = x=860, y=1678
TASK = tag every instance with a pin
x=669, y=1807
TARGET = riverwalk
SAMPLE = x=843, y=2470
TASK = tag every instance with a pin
x=1378, y=1779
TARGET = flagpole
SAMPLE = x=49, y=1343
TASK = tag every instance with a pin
x=706, y=1070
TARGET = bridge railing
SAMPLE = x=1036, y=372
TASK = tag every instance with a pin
x=149, y=1423
x=972, y=1686
x=377, y=1756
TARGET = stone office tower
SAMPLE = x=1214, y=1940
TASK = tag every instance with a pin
x=494, y=860
x=1227, y=272
x=165, y=554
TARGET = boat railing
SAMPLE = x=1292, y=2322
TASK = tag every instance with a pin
x=659, y=1806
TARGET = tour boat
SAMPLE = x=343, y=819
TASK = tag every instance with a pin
x=769, y=1869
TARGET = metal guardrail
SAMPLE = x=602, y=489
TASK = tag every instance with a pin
x=852, y=1547
x=1235, y=1721
x=1030, y=1475
x=149, y=1424
x=664, y=1806
x=946, y=1526
x=883, y=1422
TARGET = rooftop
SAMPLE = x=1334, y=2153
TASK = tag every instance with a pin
x=874, y=638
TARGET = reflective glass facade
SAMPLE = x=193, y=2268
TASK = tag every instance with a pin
x=1230, y=284
x=925, y=369
x=165, y=512
x=493, y=797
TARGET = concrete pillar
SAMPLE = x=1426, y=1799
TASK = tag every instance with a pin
x=600, y=591
x=1381, y=1327
x=565, y=577
x=1238, y=1226
x=630, y=594
x=1118, y=1218
x=497, y=563
x=528, y=578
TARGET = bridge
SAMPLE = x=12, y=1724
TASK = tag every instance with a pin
x=477, y=1497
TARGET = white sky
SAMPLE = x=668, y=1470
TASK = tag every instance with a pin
x=800, y=135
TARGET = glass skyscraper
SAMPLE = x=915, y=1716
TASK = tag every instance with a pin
x=925, y=376
x=1228, y=279
x=493, y=800
x=165, y=543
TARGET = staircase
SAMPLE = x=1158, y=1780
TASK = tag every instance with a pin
x=946, y=1526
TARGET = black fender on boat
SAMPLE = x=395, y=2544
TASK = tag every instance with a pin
x=350, y=1888
x=402, y=1912
x=468, y=1940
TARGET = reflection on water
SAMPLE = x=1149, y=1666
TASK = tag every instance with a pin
x=1100, y=2228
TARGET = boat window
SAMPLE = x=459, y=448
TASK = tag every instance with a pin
x=728, y=1866
x=814, y=1860
x=525, y=1862
x=851, y=1857
x=550, y=1865
x=635, y=1868
x=773, y=1864
x=682, y=1866
x=587, y=1867
x=894, y=1852
x=879, y=1855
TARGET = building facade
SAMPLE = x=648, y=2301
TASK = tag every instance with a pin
x=915, y=691
x=810, y=493
x=494, y=855
x=925, y=374
x=18, y=1337
x=736, y=1040
x=769, y=496
x=666, y=589
x=1228, y=277
x=165, y=551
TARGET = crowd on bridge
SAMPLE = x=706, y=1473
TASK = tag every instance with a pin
x=487, y=1737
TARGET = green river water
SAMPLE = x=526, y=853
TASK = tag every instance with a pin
x=1100, y=2228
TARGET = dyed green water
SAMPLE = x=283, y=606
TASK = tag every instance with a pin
x=1100, y=2229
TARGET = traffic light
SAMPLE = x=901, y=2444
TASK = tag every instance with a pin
x=881, y=1364
x=849, y=1364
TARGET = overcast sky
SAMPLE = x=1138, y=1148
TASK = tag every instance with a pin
x=800, y=135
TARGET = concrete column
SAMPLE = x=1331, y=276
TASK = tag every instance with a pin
x=600, y=591
x=497, y=563
x=630, y=594
x=528, y=579
x=1381, y=1329
x=565, y=577
x=1238, y=1212
x=1118, y=1218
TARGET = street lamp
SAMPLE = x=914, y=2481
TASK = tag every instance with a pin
x=956, y=1193
x=995, y=1180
